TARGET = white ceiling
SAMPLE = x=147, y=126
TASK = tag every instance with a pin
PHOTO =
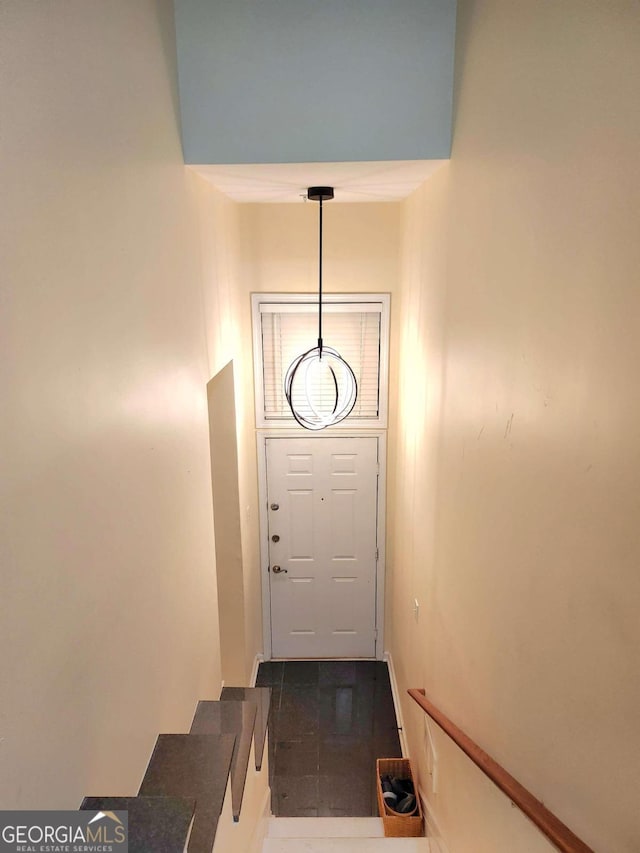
x=389, y=180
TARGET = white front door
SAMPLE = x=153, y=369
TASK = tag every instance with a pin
x=322, y=511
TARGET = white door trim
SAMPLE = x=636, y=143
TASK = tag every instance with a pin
x=261, y=438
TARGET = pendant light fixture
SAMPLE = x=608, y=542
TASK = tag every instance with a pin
x=320, y=386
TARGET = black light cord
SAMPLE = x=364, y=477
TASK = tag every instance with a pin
x=320, y=285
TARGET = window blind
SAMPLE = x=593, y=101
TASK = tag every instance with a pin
x=286, y=334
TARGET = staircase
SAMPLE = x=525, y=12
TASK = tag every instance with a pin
x=196, y=784
x=335, y=835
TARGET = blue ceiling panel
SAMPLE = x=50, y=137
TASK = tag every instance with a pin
x=294, y=81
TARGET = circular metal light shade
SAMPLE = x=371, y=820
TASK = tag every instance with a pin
x=320, y=388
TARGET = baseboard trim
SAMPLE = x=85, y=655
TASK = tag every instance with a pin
x=397, y=704
x=259, y=658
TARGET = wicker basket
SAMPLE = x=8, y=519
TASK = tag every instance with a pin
x=398, y=825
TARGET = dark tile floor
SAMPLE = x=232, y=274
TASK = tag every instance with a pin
x=329, y=721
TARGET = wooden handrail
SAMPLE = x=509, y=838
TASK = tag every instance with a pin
x=556, y=831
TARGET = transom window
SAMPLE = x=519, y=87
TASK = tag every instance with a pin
x=286, y=325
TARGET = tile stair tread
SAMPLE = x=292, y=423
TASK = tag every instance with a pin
x=261, y=696
x=161, y=824
x=230, y=717
x=196, y=767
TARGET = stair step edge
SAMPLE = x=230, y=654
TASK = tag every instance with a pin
x=325, y=827
x=346, y=845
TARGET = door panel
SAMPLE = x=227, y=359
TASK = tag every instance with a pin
x=343, y=524
x=323, y=599
x=300, y=524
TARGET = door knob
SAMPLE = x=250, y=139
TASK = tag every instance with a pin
x=278, y=569
x=274, y=507
x=275, y=538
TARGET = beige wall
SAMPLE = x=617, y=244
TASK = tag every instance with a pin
x=108, y=604
x=516, y=479
x=280, y=247
x=221, y=234
x=513, y=494
x=223, y=442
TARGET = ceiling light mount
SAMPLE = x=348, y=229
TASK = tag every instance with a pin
x=320, y=193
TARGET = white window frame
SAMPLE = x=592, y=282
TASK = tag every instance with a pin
x=291, y=302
